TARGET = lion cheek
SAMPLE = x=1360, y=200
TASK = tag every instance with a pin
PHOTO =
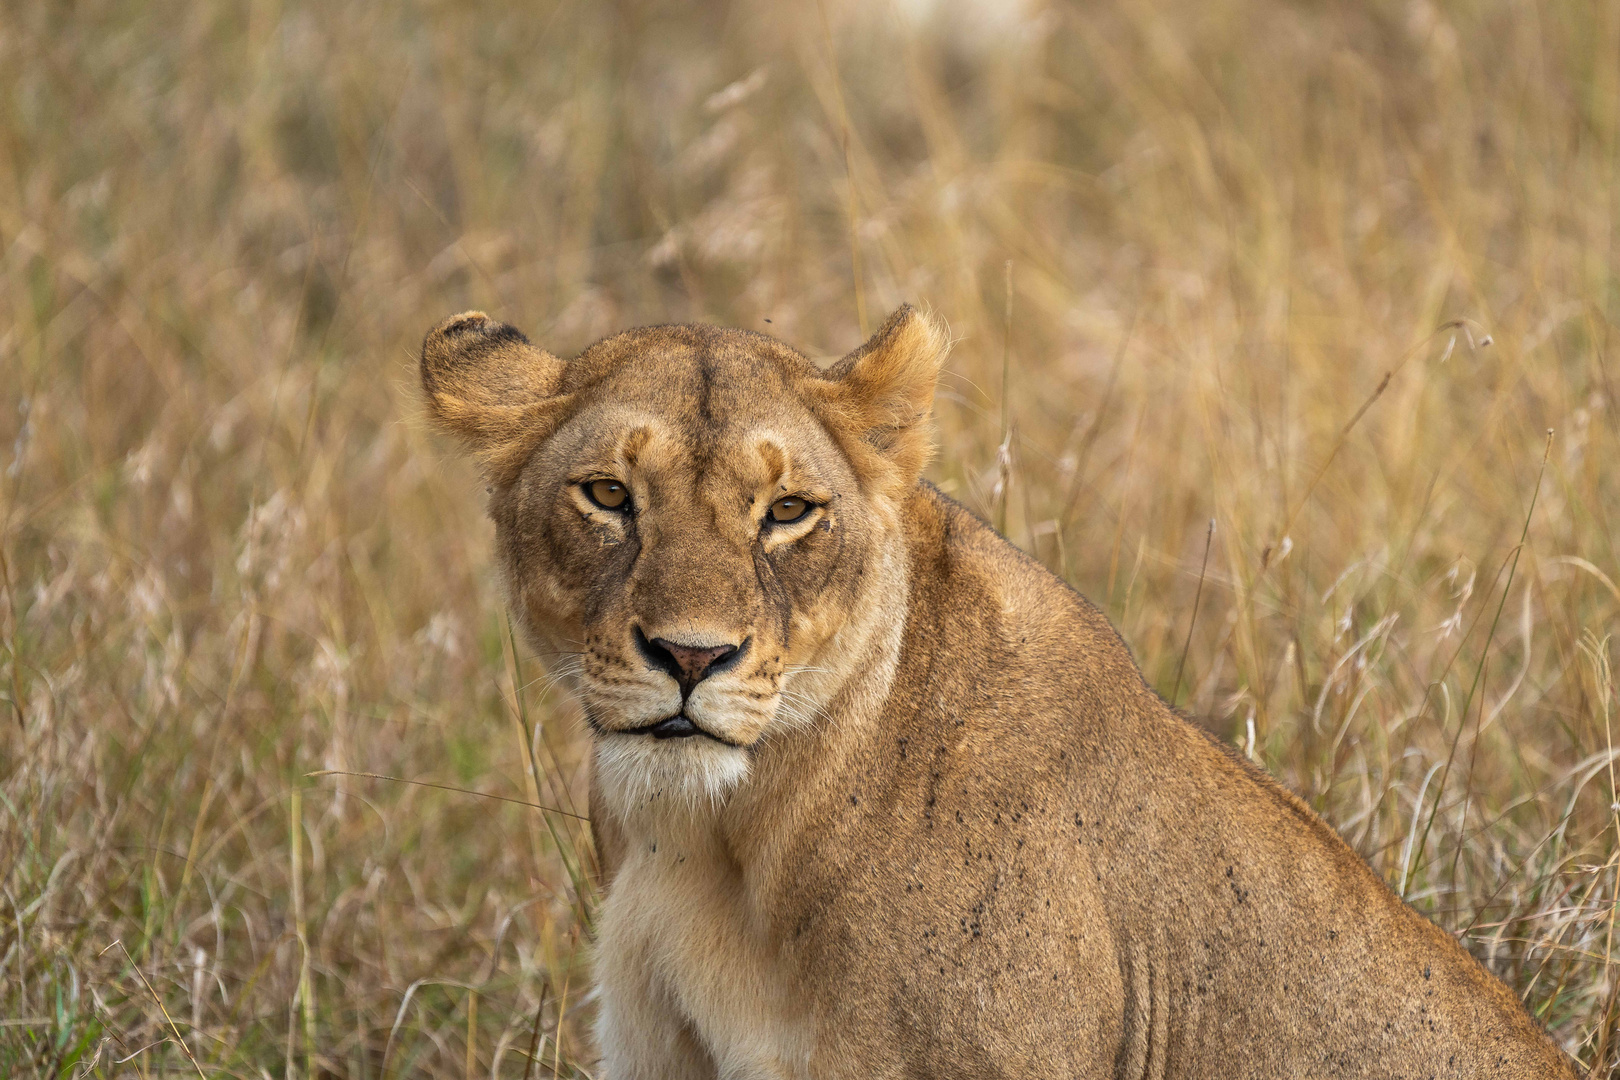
x=812, y=628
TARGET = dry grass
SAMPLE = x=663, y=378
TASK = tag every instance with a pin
x=1325, y=278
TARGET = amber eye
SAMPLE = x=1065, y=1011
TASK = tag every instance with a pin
x=790, y=509
x=608, y=494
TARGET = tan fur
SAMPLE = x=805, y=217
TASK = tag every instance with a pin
x=943, y=828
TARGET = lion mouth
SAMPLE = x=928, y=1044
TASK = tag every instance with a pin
x=679, y=726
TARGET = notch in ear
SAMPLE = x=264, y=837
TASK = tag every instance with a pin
x=883, y=394
x=490, y=388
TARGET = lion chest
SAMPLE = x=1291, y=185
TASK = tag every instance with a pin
x=686, y=969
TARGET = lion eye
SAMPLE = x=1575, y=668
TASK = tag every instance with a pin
x=790, y=509
x=608, y=494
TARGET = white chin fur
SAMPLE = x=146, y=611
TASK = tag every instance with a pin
x=638, y=770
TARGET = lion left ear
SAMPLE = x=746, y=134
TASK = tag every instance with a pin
x=884, y=393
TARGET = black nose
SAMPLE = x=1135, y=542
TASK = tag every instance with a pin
x=688, y=665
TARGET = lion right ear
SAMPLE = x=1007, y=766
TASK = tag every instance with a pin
x=490, y=388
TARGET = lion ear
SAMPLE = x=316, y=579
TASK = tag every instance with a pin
x=884, y=391
x=491, y=389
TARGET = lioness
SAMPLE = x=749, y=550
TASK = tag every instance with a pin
x=878, y=796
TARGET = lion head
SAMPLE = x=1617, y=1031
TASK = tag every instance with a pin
x=695, y=525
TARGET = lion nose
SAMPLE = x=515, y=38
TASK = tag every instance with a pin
x=687, y=664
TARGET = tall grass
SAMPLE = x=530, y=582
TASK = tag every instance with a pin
x=1321, y=277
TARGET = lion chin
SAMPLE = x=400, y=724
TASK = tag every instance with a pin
x=876, y=795
x=685, y=773
x=694, y=753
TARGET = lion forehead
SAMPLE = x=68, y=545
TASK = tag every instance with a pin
x=671, y=361
x=717, y=422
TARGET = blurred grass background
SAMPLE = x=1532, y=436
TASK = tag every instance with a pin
x=1324, y=275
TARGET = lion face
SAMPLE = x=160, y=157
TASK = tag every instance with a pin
x=691, y=521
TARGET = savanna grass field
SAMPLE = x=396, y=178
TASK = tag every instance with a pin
x=1289, y=333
